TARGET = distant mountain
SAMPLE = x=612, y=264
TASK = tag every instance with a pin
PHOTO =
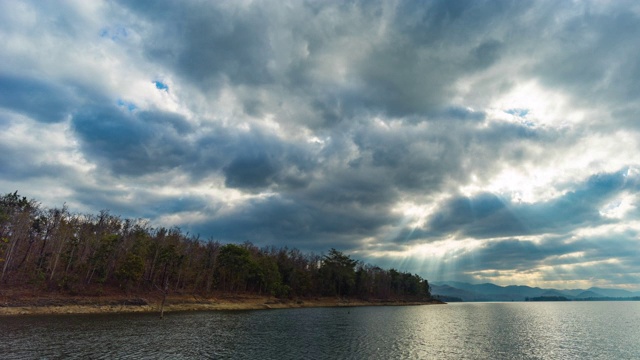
x=573, y=292
x=493, y=292
x=450, y=291
x=589, y=294
x=554, y=293
x=614, y=292
x=483, y=292
x=525, y=291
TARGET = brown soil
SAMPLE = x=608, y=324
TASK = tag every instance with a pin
x=17, y=302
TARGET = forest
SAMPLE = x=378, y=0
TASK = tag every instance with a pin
x=55, y=250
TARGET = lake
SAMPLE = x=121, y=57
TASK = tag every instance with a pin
x=544, y=330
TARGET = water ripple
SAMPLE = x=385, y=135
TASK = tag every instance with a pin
x=603, y=330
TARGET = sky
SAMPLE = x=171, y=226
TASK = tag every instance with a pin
x=480, y=141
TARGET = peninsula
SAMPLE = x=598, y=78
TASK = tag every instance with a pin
x=55, y=261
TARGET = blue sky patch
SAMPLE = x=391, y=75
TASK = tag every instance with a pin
x=161, y=86
x=518, y=112
x=126, y=104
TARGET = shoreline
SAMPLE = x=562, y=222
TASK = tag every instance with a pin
x=113, y=305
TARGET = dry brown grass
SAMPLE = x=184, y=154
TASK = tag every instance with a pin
x=17, y=302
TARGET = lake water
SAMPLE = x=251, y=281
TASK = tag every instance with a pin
x=550, y=330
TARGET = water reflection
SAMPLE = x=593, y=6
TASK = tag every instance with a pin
x=456, y=331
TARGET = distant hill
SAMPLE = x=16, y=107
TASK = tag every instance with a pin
x=450, y=291
x=555, y=293
x=485, y=292
x=573, y=292
x=493, y=292
x=614, y=292
x=548, y=298
x=589, y=294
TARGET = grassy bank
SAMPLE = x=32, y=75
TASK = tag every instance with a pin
x=13, y=303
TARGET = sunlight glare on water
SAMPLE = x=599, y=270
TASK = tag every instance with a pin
x=562, y=330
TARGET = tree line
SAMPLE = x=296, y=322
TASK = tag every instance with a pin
x=53, y=249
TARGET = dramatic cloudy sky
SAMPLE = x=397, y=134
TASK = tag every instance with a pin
x=470, y=140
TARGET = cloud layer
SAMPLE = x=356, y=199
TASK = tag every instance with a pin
x=470, y=140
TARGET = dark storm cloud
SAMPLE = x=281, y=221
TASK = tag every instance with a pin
x=18, y=165
x=134, y=142
x=308, y=225
x=385, y=163
x=407, y=68
x=477, y=215
x=130, y=142
x=411, y=70
x=610, y=259
x=40, y=100
x=209, y=43
x=487, y=215
x=256, y=160
x=517, y=254
x=250, y=172
x=410, y=157
x=459, y=113
x=559, y=253
x=593, y=55
x=486, y=54
x=142, y=203
x=440, y=21
x=551, y=251
x=271, y=166
x=430, y=156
